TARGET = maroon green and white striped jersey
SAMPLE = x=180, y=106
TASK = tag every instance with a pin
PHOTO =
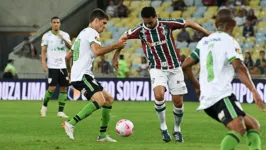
x=158, y=43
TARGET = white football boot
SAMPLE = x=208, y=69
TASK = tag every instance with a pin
x=69, y=129
x=43, y=111
x=62, y=115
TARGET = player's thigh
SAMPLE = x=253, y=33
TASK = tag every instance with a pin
x=88, y=86
x=52, y=78
x=63, y=78
x=176, y=83
x=159, y=83
x=177, y=100
x=229, y=112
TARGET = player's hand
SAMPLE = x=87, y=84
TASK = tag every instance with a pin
x=198, y=93
x=121, y=44
x=115, y=64
x=258, y=100
x=60, y=36
x=44, y=67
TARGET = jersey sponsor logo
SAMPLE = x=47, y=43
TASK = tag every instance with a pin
x=156, y=43
x=212, y=40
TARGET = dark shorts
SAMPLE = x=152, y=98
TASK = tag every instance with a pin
x=225, y=110
x=88, y=86
x=58, y=77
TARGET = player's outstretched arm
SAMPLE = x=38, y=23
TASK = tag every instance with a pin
x=44, y=64
x=245, y=78
x=98, y=50
x=197, y=27
x=123, y=38
x=187, y=69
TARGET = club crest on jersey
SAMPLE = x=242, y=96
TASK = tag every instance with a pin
x=97, y=39
x=238, y=51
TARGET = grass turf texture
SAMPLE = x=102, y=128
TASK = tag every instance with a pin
x=23, y=128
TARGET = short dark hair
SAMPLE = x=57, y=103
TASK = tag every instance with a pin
x=55, y=17
x=224, y=16
x=98, y=13
x=148, y=12
x=262, y=52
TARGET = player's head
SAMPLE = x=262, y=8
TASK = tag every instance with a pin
x=225, y=21
x=149, y=17
x=55, y=23
x=98, y=20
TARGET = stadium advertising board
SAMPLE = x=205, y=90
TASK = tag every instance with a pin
x=121, y=89
x=22, y=89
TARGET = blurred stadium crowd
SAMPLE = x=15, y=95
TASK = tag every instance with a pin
x=250, y=32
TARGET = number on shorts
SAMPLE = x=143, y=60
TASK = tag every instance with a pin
x=76, y=50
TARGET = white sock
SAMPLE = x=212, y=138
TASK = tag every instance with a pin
x=160, y=109
x=178, y=115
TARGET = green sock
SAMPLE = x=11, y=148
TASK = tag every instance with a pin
x=47, y=96
x=85, y=112
x=62, y=101
x=253, y=140
x=230, y=141
x=106, y=109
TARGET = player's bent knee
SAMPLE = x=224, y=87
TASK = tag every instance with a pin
x=159, y=96
x=52, y=88
x=63, y=89
x=109, y=100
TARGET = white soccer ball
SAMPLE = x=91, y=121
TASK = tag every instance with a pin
x=124, y=127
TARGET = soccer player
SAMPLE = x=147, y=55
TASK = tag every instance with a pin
x=220, y=56
x=55, y=44
x=86, y=47
x=159, y=47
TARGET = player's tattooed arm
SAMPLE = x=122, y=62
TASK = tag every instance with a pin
x=187, y=69
x=99, y=50
x=197, y=27
x=245, y=78
x=123, y=38
x=68, y=45
x=115, y=59
x=68, y=60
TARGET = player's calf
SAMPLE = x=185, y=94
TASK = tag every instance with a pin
x=237, y=130
x=253, y=136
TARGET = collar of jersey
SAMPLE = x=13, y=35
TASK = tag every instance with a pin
x=149, y=28
x=54, y=33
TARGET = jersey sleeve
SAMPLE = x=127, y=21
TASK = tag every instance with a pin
x=44, y=40
x=195, y=55
x=67, y=38
x=94, y=37
x=133, y=33
x=233, y=50
x=173, y=23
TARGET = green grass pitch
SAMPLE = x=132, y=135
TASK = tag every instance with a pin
x=22, y=128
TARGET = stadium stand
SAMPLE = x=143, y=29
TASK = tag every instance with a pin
x=196, y=11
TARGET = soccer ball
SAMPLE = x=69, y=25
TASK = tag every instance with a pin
x=124, y=127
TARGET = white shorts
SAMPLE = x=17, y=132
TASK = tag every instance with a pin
x=171, y=79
